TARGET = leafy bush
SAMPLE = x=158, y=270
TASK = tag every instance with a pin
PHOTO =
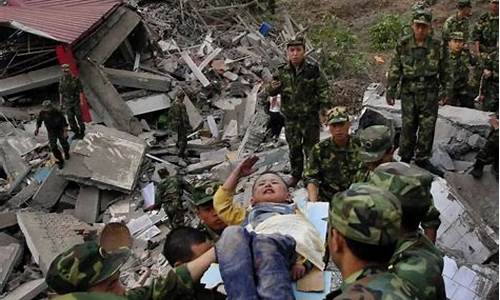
x=386, y=32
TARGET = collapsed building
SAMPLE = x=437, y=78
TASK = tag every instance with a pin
x=132, y=59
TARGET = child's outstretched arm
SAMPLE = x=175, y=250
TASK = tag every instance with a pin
x=223, y=199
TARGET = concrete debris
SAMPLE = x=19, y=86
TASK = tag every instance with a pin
x=219, y=155
x=106, y=158
x=29, y=81
x=195, y=118
x=47, y=235
x=140, y=80
x=212, y=125
x=28, y=290
x=50, y=190
x=7, y=219
x=149, y=104
x=88, y=206
x=10, y=255
x=231, y=130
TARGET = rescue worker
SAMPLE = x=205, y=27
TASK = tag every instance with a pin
x=168, y=194
x=69, y=97
x=57, y=130
x=485, y=31
x=202, y=199
x=179, y=123
x=304, y=96
x=459, y=22
x=489, y=153
x=489, y=89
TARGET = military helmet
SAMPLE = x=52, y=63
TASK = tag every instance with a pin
x=367, y=214
x=410, y=184
x=457, y=35
x=203, y=192
x=422, y=16
x=83, y=266
x=375, y=141
x=338, y=114
x=464, y=3
x=296, y=41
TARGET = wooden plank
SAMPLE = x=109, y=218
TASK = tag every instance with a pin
x=196, y=71
x=209, y=58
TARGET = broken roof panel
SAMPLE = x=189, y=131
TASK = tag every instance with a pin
x=61, y=20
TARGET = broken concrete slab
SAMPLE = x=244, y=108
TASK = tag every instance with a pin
x=472, y=119
x=13, y=163
x=88, y=206
x=50, y=190
x=194, y=68
x=476, y=141
x=15, y=113
x=442, y=160
x=106, y=158
x=251, y=105
x=28, y=290
x=212, y=125
x=49, y=234
x=10, y=256
x=140, y=80
x=218, y=155
x=29, y=81
x=231, y=130
x=201, y=166
x=227, y=104
x=7, y=219
x=194, y=115
x=149, y=104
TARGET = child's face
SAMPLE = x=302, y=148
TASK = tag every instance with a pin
x=270, y=188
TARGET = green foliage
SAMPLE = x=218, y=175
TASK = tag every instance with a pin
x=341, y=56
x=385, y=33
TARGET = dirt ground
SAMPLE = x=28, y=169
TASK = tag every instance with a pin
x=358, y=16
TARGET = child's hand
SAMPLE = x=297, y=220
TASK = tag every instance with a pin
x=246, y=167
x=298, y=271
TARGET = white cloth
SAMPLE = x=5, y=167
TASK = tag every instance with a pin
x=275, y=103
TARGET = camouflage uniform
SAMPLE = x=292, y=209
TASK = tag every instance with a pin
x=415, y=8
x=55, y=122
x=168, y=194
x=416, y=260
x=369, y=215
x=417, y=70
x=179, y=123
x=89, y=296
x=487, y=155
x=304, y=93
x=70, y=89
x=456, y=23
x=490, y=84
x=202, y=194
x=456, y=75
x=333, y=168
x=86, y=265
x=485, y=32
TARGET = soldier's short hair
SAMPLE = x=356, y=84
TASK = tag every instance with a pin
x=177, y=248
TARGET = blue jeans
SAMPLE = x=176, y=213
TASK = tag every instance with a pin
x=255, y=266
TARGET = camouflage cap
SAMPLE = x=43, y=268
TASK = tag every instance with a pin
x=83, y=266
x=338, y=114
x=296, y=41
x=90, y=296
x=366, y=214
x=457, y=35
x=464, y=3
x=422, y=16
x=375, y=141
x=203, y=192
x=410, y=184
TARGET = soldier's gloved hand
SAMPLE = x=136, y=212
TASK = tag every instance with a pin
x=390, y=100
x=275, y=84
x=36, y=131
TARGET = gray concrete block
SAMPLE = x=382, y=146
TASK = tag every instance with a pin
x=28, y=290
x=87, y=206
x=149, y=104
x=50, y=190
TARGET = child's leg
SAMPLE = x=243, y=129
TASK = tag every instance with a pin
x=273, y=256
x=236, y=263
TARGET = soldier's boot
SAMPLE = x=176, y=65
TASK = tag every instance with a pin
x=66, y=155
x=60, y=164
x=59, y=157
x=477, y=171
x=427, y=165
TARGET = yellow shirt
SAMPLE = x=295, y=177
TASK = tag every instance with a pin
x=229, y=212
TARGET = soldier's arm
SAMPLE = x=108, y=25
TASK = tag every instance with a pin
x=228, y=211
x=311, y=174
x=323, y=92
x=394, y=74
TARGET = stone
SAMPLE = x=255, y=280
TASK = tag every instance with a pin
x=51, y=189
x=87, y=206
x=212, y=125
x=201, y=166
x=441, y=159
x=7, y=219
x=230, y=75
x=227, y=104
x=10, y=255
x=476, y=141
x=218, y=155
x=106, y=158
x=28, y=290
x=49, y=234
x=149, y=104
x=231, y=130
x=471, y=119
x=194, y=115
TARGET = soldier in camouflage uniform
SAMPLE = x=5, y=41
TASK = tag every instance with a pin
x=417, y=69
x=457, y=61
x=179, y=122
x=333, y=164
x=69, y=93
x=365, y=222
x=56, y=126
x=415, y=8
x=168, y=194
x=304, y=96
x=489, y=92
x=89, y=268
x=202, y=199
x=416, y=259
x=485, y=32
x=89, y=296
x=489, y=153
x=460, y=22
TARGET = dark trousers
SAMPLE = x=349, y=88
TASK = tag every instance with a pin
x=276, y=123
x=75, y=121
x=301, y=136
x=54, y=136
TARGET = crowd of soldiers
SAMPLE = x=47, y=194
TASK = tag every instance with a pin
x=377, y=205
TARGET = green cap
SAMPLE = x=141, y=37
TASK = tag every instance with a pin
x=338, y=114
x=422, y=16
x=464, y=3
x=89, y=296
x=366, y=214
x=203, y=192
x=457, y=35
x=83, y=266
x=410, y=184
x=297, y=41
x=375, y=141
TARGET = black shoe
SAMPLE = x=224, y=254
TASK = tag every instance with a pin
x=426, y=164
x=477, y=172
x=66, y=155
x=60, y=164
x=406, y=159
